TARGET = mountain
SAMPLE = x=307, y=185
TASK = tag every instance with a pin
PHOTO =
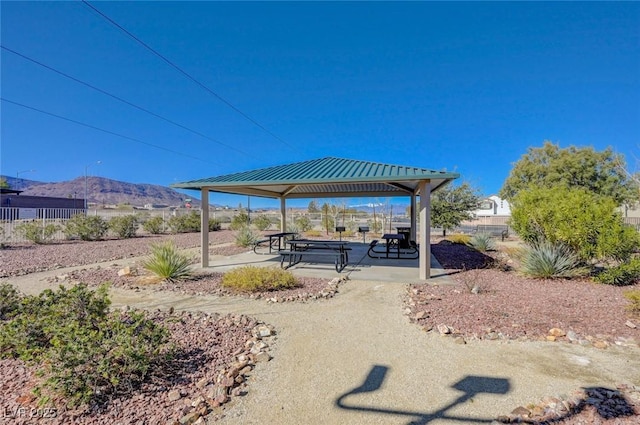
x=103, y=191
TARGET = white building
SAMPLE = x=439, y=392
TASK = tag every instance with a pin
x=493, y=206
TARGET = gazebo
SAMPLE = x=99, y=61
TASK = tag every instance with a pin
x=331, y=178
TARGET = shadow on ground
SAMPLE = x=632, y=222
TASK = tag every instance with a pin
x=470, y=386
x=605, y=403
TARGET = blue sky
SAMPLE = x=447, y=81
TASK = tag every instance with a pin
x=456, y=86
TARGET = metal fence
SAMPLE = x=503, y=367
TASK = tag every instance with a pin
x=11, y=217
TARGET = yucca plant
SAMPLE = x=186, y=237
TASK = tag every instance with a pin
x=167, y=263
x=551, y=261
x=245, y=236
x=482, y=242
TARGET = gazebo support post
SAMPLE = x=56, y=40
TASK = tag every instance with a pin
x=425, y=229
x=283, y=214
x=413, y=218
x=204, y=228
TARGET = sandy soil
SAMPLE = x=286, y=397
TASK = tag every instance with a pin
x=503, y=306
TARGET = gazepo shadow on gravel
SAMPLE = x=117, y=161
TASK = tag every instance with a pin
x=470, y=386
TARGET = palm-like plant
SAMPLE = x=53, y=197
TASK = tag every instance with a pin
x=548, y=261
x=167, y=263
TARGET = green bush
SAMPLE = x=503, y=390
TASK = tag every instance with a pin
x=634, y=297
x=9, y=301
x=239, y=220
x=36, y=232
x=258, y=279
x=586, y=222
x=87, y=228
x=482, y=242
x=3, y=242
x=167, y=262
x=245, y=236
x=459, y=238
x=214, y=225
x=191, y=222
x=154, y=225
x=82, y=351
x=185, y=223
x=303, y=224
x=623, y=274
x=261, y=222
x=551, y=261
x=125, y=226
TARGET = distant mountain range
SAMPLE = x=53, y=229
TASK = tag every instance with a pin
x=103, y=191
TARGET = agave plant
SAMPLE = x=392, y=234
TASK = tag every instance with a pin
x=548, y=260
x=482, y=242
x=167, y=262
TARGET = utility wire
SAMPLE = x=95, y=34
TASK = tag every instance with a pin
x=102, y=130
x=183, y=72
x=122, y=100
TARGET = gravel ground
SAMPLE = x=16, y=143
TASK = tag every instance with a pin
x=507, y=306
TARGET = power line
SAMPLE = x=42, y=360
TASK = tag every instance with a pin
x=121, y=99
x=102, y=130
x=187, y=75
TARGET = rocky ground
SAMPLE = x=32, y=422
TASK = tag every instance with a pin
x=487, y=303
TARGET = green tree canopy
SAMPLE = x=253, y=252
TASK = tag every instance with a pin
x=453, y=204
x=576, y=217
x=602, y=173
x=4, y=184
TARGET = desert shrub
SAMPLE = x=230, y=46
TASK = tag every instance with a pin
x=459, y=238
x=634, y=298
x=125, y=226
x=586, y=222
x=314, y=233
x=154, y=225
x=37, y=232
x=375, y=225
x=245, y=236
x=83, y=352
x=239, y=220
x=9, y=301
x=261, y=222
x=482, y=242
x=293, y=228
x=303, y=224
x=214, y=225
x=257, y=279
x=167, y=262
x=3, y=241
x=623, y=274
x=87, y=228
x=551, y=261
x=185, y=223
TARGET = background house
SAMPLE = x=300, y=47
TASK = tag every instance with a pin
x=493, y=206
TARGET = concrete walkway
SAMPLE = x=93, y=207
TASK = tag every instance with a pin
x=356, y=359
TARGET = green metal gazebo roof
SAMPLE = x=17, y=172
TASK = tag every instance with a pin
x=324, y=178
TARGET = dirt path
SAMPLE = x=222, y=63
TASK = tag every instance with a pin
x=326, y=349
x=356, y=359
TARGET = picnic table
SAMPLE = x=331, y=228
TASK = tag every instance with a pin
x=394, y=243
x=315, y=248
x=276, y=241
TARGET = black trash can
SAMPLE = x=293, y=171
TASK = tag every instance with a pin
x=406, y=231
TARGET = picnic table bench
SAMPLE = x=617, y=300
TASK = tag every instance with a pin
x=393, y=245
x=501, y=230
x=315, y=248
